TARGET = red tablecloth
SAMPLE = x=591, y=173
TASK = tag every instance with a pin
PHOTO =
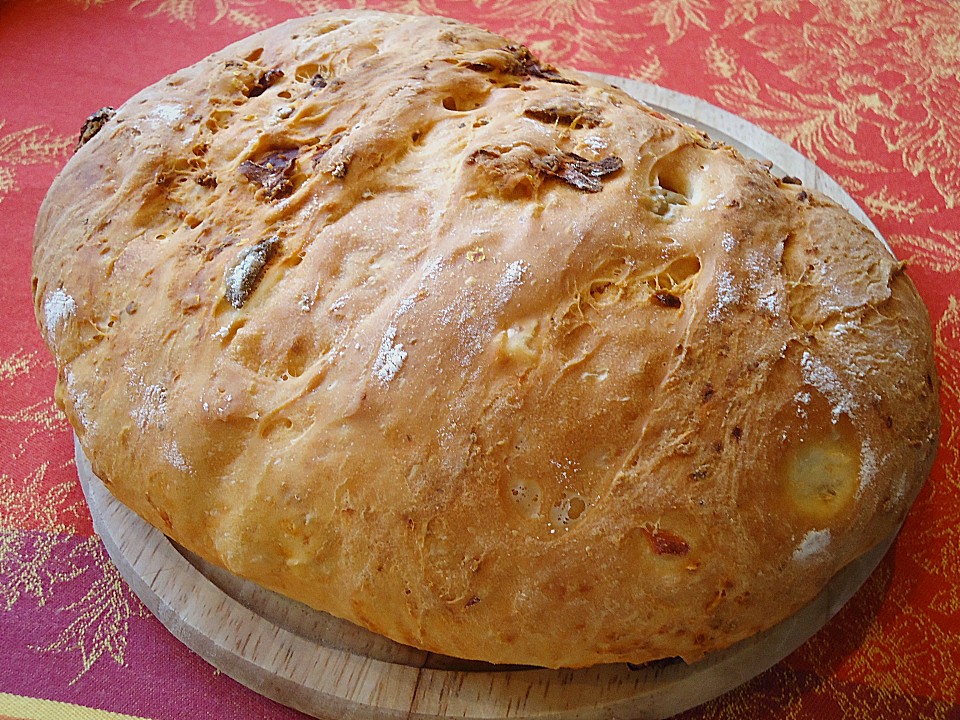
x=869, y=90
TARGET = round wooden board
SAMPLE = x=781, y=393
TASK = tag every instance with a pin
x=329, y=668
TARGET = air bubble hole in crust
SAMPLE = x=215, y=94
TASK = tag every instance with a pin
x=673, y=182
x=568, y=510
x=305, y=73
x=609, y=283
x=255, y=55
x=218, y=120
x=329, y=27
x=462, y=104
x=228, y=333
x=291, y=261
x=677, y=276
x=604, y=292
x=296, y=361
x=671, y=174
x=527, y=497
x=273, y=425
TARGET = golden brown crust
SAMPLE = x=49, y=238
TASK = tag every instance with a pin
x=383, y=313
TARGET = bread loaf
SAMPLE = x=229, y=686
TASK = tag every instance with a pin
x=387, y=315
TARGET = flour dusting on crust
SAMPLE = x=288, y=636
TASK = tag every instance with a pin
x=814, y=543
x=149, y=408
x=825, y=379
x=80, y=403
x=58, y=308
x=728, y=295
x=390, y=357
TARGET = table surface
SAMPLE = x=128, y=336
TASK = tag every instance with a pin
x=869, y=90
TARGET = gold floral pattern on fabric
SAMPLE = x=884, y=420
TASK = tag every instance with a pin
x=99, y=621
x=947, y=343
x=19, y=363
x=47, y=551
x=41, y=416
x=848, y=70
x=940, y=252
x=897, y=204
x=42, y=569
x=30, y=146
x=870, y=90
x=240, y=12
x=675, y=16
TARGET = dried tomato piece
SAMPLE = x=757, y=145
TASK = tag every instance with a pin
x=666, y=299
x=273, y=172
x=92, y=125
x=265, y=80
x=577, y=171
x=665, y=542
x=478, y=66
x=566, y=111
x=529, y=65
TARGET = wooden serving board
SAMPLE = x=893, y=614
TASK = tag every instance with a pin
x=330, y=668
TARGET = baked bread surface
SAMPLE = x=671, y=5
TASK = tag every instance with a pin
x=384, y=314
